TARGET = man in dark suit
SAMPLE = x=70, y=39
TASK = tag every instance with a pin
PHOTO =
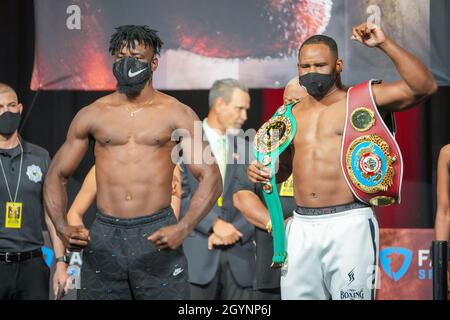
x=220, y=250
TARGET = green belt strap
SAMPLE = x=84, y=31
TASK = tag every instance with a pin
x=270, y=141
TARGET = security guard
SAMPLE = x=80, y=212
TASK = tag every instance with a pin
x=23, y=272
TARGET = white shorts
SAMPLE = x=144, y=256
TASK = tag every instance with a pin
x=331, y=256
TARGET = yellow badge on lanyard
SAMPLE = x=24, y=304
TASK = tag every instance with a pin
x=220, y=202
x=13, y=212
x=287, y=188
x=13, y=217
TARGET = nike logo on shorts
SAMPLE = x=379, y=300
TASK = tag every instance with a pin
x=177, y=271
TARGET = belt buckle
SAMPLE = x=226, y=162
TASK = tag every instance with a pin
x=8, y=254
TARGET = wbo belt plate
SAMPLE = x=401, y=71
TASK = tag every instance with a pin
x=273, y=134
x=369, y=164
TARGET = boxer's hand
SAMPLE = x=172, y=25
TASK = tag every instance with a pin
x=214, y=240
x=258, y=173
x=368, y=34
x=226, y=231
x=74, y=237
x=60, y=280
x=170, y=237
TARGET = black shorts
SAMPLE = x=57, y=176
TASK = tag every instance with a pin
x=120, y=263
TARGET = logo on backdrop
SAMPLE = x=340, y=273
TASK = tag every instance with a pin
x=386, y=261
x=74, y=270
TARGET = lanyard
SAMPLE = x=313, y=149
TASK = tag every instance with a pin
x=20, y=174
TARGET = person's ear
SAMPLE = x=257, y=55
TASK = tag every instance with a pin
x=20, y=108
x=154, y=63
x=220, y=104
x=339, y=65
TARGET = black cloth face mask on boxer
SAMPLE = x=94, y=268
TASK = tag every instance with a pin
x=9, y=122
x=132, y=75
x=317, y=84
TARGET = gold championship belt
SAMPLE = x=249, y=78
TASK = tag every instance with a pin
x=370, y=157
x=270, y=141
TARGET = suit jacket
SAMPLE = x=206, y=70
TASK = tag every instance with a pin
x=203, y=263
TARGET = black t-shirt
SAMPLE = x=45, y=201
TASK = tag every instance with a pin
x=265, y=277
x=34, y=167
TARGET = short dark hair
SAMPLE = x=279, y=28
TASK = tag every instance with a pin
x=320, y=38
x=130, y=33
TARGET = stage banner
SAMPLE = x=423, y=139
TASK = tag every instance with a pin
x=255, y=41
x=405, y=264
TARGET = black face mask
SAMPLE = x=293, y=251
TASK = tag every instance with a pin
x=131, y=75
x=317, y=84
x=9, y=122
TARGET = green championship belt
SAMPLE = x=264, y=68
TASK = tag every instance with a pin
x=270, y=141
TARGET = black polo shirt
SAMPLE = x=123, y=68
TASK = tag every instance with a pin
x=34, y=167
x=265, y=277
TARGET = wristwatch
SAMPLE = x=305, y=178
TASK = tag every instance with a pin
x=64, y=259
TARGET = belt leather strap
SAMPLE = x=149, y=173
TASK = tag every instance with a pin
x=9, y=257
